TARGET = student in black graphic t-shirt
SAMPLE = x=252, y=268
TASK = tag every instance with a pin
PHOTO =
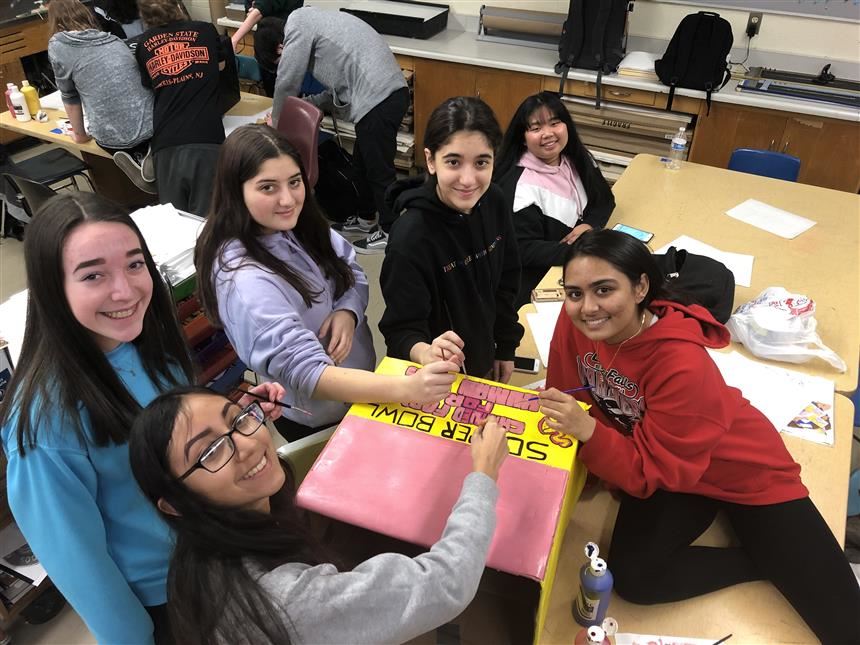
x=180, y=60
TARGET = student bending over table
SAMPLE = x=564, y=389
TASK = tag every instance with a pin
x=288, y=290
x=682, y=445
x=101, y=340
x=451, y=268
x=553, y=183
x=219, y=484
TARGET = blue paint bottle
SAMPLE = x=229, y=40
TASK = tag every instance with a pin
x=595, y=589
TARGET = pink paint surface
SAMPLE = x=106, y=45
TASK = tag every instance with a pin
x=403, y=483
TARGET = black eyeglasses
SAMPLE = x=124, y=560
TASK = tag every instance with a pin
x=221, y=451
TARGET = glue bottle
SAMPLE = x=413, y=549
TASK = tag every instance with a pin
x=19, y=105
x=595, y=587
x=32, y=98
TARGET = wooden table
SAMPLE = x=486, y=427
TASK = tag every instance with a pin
x=692, y=202
x=109, y=180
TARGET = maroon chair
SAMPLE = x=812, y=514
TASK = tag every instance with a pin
x=299, y=122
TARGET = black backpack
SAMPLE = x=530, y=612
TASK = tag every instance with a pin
x=697, y=55
x=593, y=37
x=706, y=281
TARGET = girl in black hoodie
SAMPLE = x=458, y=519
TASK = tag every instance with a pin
x=451, y=268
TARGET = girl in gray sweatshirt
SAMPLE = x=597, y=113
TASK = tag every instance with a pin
x=245, y=569
x=97, y=74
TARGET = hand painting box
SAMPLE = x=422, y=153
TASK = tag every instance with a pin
x=397, y=469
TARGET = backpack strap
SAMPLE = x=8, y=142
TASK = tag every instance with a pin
x=603, y=13
x=671, y=95
x=564, y=70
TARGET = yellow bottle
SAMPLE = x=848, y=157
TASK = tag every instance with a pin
x=32, y=98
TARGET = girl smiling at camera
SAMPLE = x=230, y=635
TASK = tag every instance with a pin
x=553, y=183
x=451, y=267
x=101, y=340
x=682, y=445
x=211, y=469
x=288, y=290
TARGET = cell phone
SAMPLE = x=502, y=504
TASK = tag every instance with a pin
x=527, y=365
x=638, y=233
x=555, y=294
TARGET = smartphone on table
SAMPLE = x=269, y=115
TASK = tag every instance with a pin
x=526, y=364
x=638, y=233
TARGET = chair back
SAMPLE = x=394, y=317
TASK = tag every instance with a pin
x=248, y=68
x=33, y=194
x=299, y=122
x=766, y=163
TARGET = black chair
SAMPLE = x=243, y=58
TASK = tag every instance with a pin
x=52, y=167
x=31, y=193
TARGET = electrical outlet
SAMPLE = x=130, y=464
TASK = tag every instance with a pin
x=754, y=24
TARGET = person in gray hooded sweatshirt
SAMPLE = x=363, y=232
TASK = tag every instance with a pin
x=96, y=73
x=246, y=569
x=365, y=86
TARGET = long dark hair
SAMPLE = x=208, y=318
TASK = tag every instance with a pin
x=514, y=142
x=212, y=597
x=60, y=361
x=241, y=156
x=70, y=15
x=461, y=113
x=630, y=257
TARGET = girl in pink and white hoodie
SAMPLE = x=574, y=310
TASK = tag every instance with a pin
x=553, y=185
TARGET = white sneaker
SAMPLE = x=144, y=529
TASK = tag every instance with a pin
x=373, y=243
x=130, y=166
x=354, y=224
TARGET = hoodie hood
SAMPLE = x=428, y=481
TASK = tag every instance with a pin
x=86, y=38
x=556, y=190
x=689, y=323
x=420, y=193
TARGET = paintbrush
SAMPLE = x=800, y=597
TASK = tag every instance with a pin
x=283, y=405
x=571, y=390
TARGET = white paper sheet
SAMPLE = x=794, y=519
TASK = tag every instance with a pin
x=795, y=403
x=770, y=218
x=650, y=639
x=233, y=122
x=739, y=264
x=13, y=315
x=542, y=325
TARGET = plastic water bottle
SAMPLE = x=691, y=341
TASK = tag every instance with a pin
x=678, y=150
x=595, y=589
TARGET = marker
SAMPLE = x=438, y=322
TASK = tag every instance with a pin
x=571, y=390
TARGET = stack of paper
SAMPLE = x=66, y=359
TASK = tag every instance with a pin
x=639, y=65
x=171, y=236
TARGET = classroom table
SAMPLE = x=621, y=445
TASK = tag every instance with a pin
x=109, y=180
x=692, y=201
x=821, y=263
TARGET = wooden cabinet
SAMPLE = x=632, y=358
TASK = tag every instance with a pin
x=436, y=81
x=829, y=149
x=17, y=41
x=629, y=95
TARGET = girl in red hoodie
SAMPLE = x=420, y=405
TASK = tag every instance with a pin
x=682, y=445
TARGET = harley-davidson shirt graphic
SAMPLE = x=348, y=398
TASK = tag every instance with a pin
x=180, y=63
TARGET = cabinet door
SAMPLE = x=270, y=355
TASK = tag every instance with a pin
x=829, y=151
x=504, y=91
x=729, y=127
x=11, y=71
x=435, y=81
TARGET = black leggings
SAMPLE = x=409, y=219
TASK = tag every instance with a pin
x=788, y=544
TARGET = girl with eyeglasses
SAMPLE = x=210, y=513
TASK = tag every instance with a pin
x=288, y=290
x=101, y=340
x=553, y=184
x=217, y=481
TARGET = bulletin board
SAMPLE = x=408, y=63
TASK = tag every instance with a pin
x=832, y=9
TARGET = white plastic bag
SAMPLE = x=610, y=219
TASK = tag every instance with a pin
x=781, y=326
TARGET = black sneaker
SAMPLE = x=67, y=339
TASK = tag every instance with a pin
x=373, y=243
x=354, y=224
x=133, y=171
